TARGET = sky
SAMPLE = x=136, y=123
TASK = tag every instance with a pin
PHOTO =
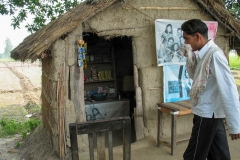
x=6, y=31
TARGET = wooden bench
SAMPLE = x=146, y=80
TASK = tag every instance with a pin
x=100, y=128
x=175, y=109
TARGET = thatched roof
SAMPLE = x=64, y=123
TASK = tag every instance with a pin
x=218, y=11
x=41, y=41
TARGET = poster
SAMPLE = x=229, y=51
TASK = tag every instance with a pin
x=177, y=83
x=169, y=39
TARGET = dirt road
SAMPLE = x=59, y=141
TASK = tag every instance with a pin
x=20, y=90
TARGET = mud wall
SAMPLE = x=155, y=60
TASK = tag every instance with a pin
x=51, y=67
x=120, y=19
x=128, y=19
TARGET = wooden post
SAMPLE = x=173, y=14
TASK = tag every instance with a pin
x=173, y=137
x=74, y=142
x=76, y=88
x=138, y=111
x=61, y=112
x=135, y=71
x=138, y=115
x=78, y=81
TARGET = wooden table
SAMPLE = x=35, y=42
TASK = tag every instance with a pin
x=175, y=109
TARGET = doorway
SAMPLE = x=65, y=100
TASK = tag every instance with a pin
x=113, y=55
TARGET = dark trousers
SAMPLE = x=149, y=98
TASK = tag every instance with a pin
x=208, y=140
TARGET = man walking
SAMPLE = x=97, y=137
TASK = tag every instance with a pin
x=214, y=95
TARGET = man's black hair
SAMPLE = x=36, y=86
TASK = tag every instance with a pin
x=194, y=26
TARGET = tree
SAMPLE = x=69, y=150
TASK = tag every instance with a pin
x=234, y=7
x=8, y=48
x=44, y=11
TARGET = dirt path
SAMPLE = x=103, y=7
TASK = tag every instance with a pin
x=20, y=89
x=25, y=83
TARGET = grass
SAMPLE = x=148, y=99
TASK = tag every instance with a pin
x=234, y=62
x=7, y=60
x=9, y=127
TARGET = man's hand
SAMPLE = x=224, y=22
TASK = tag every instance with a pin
x=186, y=49
x=234, y=136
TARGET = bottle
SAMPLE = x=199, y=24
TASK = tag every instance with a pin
x=119, y=95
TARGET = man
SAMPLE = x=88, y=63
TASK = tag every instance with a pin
x=165, y=53
x=177, y=38
x=214, y=95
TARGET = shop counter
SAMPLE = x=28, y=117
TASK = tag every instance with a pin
x=98, y=110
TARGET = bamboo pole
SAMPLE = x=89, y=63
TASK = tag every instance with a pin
x=163, y=8
x=168, y=8
x=61, y=110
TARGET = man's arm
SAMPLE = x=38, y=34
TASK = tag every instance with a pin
x=228, y=91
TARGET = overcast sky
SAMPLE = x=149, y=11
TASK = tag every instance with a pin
x=6, y=31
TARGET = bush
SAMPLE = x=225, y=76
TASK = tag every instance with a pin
x=234, y=61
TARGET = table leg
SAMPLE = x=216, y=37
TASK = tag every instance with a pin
x=159, y=134
x=173, y=134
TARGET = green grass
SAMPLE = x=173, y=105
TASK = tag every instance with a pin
x=9, y=127
x=7, y=60
x=234, y=62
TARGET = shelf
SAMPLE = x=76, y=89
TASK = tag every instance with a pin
x=110, y=80
x=93, y=63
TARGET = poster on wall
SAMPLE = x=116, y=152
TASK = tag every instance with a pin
x=169, y=39
x=177, y=83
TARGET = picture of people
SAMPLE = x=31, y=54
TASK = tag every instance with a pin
x=177, y=83
x=186, y=84
x=168, y=42
x=168, y=34
x=177, y=55
x=96, y=115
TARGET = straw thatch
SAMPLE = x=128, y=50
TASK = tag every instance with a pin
x=41, y=41
x=218, y=11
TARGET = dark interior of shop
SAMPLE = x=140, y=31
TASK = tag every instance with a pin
x=110, y=66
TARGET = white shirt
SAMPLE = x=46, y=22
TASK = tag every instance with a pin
x=220, y=96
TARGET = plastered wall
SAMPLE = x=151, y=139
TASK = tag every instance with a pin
x=137, y=23
x=126, y=19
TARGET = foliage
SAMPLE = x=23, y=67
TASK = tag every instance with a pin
x=11, y=127
x=234, y=7
x=234, y=62
x=43, y=11
x=8, y=48
x=7, y=60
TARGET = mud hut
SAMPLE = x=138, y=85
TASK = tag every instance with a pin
x=123, y=32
